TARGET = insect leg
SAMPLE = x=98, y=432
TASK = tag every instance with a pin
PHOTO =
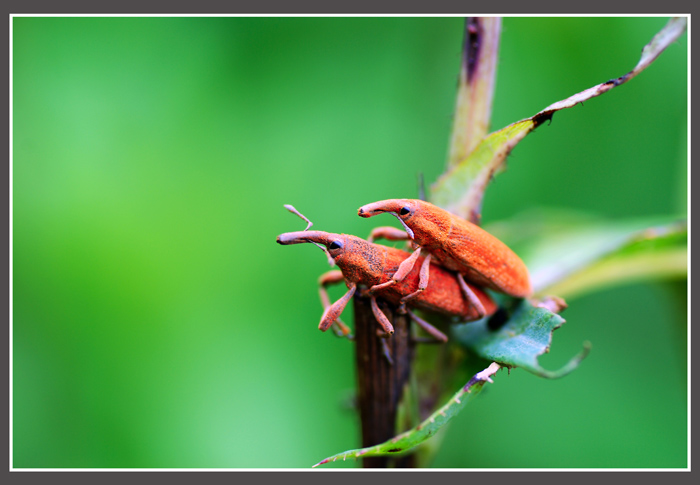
x=326, y=279
x=404, y=268
x=471, y=297
x=422, y=283
x=434, y=332
x=381, y=318
x=386, y=331
x=333, y=312
x=387, y=232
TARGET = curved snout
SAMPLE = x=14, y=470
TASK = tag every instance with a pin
x=299, y=237
x=390, y=205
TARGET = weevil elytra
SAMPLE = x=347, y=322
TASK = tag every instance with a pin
x=369, y=264
x=477, y=256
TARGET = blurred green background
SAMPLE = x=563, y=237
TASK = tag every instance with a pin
x=157, y=324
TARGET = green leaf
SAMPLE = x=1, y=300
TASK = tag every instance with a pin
x=417, y=435
x=476, y=85
x=460, y=190
x=526, y=335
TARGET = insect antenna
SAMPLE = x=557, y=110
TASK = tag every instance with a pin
x=291, y=209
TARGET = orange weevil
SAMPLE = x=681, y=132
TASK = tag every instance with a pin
x=474, y=254
x=369, y=264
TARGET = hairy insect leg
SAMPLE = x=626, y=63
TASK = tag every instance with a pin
x=387, y=232
x=381, y=318
x=404, y=268
x=333, y=312
x=330, y=278
x=385, y=332
x=471, y=296
x=434, y=332
x=340, y=329
x=422, y=283
x=383, y=336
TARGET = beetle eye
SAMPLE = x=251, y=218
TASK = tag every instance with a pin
x=336, y=245
x=404, y=211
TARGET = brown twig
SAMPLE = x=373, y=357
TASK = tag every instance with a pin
x=381, y=382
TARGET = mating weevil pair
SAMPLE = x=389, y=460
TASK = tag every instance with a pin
x=472, y=258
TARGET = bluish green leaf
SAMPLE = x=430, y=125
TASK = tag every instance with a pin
x=525, y=336
x=569, y=254
x=659, y=252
